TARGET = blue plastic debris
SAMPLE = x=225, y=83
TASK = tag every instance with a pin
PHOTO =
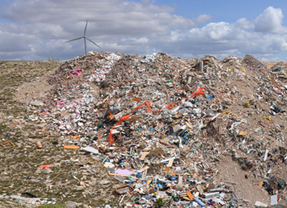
x=199, y=202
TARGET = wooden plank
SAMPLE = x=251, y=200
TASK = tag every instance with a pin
x=170, y=162
x=190, y=196
x=144, y=154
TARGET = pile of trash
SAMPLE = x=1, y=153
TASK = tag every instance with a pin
x=161, y=124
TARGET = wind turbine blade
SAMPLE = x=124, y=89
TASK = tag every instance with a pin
x=75, y=39
x=86, y=28
x=93, y=42
x=85, y=45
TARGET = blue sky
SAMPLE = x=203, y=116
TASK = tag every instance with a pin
x=39, y=29
x=223, y=10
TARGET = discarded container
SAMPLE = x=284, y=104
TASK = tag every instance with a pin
x=273, y=200
x=211, y=195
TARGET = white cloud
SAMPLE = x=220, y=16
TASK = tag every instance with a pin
x=243, y=23
x=270, y=21
x=116, y=24
x=36, y=29
x=239, y=38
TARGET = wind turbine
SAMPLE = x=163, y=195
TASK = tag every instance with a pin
x=85, y=38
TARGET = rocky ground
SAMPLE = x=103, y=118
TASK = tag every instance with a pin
x=35, y=125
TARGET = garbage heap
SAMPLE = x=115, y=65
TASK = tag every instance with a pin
x=162, y=124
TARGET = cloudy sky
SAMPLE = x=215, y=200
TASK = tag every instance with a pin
x=39, y=29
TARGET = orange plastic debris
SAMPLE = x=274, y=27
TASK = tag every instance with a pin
x=110, y=116
x=178, y=115
x=172, y=174
x=170, y=106
x=147, y=103
x=136, y=99
x=200, y=91
x=76, y=137
x=45, y=166
x=110, y=139
x=242, y=133
x=71, y=147
x=260, y=184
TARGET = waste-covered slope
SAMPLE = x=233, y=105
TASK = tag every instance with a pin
x=160, y=130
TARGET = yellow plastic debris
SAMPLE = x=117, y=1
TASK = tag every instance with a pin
x=226, y=112
x=248, y=100
x=268, y=118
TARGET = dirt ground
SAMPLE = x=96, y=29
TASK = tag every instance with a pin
x=35, y=90
x=246, y=188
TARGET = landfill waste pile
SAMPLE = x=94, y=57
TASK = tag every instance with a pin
x=161, y=131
